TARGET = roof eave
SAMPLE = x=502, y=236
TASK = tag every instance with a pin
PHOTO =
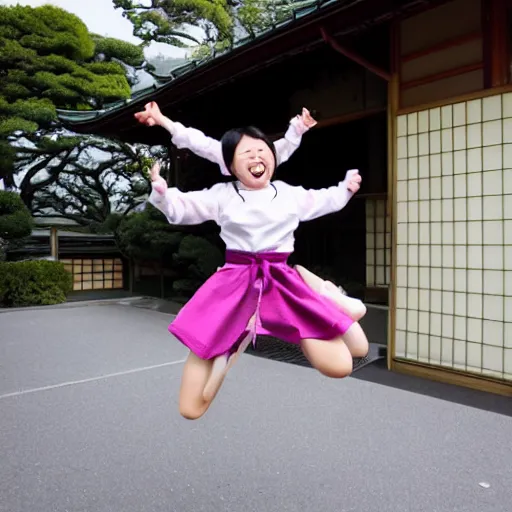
x=290, y=38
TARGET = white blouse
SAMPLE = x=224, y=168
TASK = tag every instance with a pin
x=253, y=220
x=211, y=149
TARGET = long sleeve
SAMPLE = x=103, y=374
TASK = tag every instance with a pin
x=286, y=146
x=316, y=203
x=188, y=208
x=200, y=144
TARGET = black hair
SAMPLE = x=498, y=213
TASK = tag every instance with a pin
x=232, y=138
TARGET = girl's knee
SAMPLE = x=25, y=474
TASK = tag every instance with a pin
x=191, y=412
x=339, y=371
x=361, y=350
x=331, y=358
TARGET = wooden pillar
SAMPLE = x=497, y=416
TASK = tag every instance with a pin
x=130, y=275
x=496, y=46
x=393, y=106
x=54, y=243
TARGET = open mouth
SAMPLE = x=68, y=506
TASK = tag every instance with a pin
x=257, y=170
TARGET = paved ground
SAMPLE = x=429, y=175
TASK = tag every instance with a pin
x=89, y=423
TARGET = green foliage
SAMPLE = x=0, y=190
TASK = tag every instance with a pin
x=40, y=111
x=164, y=21
x=15, y=219
x=205, y=50
x=13, y=124
x=116, y=49
x=105, y=68
x=7, y=158
x=33, y=283
x=258, y=15
x=203, y=256
x=147, y=236
x=142, y=166
x=46, y=144
x=199, y=259
x=221, y=20
x=49, y=29
x=48, y=59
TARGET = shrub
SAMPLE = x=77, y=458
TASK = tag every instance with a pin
x=15, y=221
x=146, y=235
x=33, y=283
x=198, y=259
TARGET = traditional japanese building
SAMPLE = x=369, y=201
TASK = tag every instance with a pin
x=418, y=96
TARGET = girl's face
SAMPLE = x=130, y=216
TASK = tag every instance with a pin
x=253, y=163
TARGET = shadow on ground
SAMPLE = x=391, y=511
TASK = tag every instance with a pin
x=379, y=374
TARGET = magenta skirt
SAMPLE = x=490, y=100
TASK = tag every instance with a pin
x=215, y=319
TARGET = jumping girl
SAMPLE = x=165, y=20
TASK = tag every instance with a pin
x=256, y=292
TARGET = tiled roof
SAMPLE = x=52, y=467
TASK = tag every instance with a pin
x=304, y=8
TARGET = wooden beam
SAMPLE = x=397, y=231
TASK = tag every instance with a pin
x=444, y=45
x=453, y=377
x=348, y=118
x=441, y=76
x=338, y=120
x=385, y=75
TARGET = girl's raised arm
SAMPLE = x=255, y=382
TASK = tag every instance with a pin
x=312, y=204
x=184, y=208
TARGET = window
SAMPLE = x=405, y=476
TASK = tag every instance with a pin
x=95, y=274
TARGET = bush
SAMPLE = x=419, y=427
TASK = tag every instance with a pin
x=198, y=259
x=146, y=235
x=34, y=283
x=15, y=221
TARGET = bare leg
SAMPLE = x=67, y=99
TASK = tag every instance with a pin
x=222, y=364
x=334, y=358
x=356, y=341
x=354, y=308
x=200, y=383
x=330, y=358
x=193, y=381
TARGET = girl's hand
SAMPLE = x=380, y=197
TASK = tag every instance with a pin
x=307, y=118
x=151, y=116
x=353, y=180
x=302, y=123
x=158, y=183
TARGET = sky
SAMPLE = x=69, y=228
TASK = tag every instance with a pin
x=101, y=18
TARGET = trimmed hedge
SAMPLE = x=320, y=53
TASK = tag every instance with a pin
x=33, y=283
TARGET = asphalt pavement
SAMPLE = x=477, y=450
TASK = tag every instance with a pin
x=89, y=423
